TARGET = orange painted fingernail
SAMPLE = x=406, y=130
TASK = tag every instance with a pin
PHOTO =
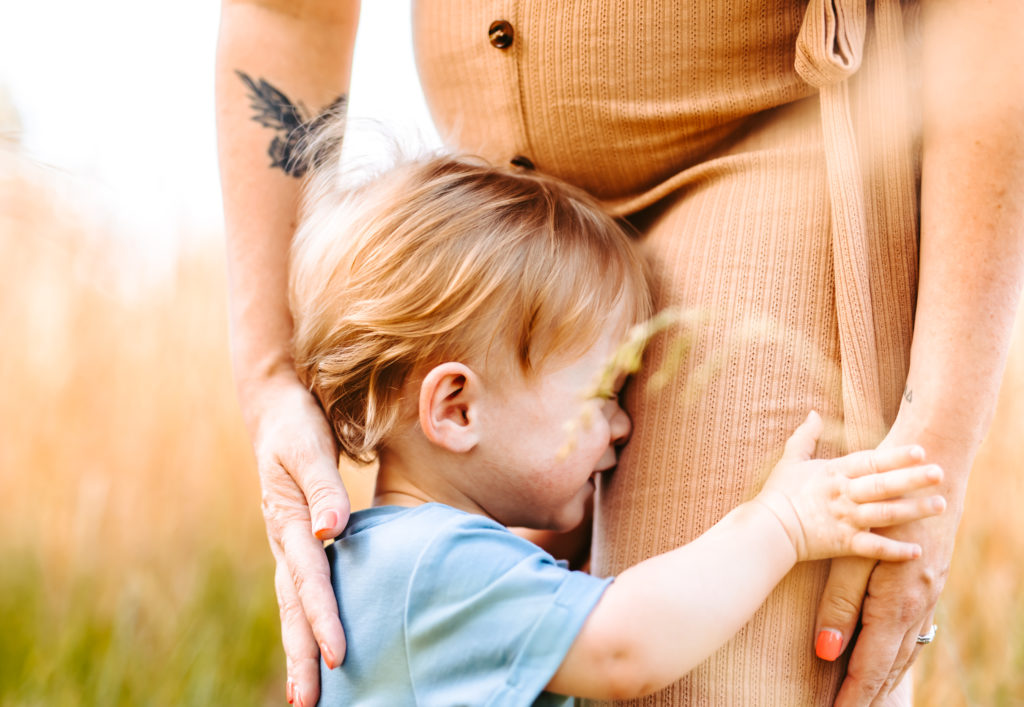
x=829, y=644
x=325, y=524
x=329, y=657
x=290, y=692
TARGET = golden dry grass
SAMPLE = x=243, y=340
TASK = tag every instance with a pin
x=133, y=567
x=129, y=498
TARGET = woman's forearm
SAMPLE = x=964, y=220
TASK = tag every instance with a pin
x=972, y=229
x=304, y=52
x=971, y=266
x=279, y=63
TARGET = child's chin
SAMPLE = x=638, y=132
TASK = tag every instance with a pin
x=569, y=519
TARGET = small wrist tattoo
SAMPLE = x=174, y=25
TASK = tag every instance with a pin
x=292, y=124
x=908, y=394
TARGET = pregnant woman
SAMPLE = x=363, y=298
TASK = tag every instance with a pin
x=833, y=190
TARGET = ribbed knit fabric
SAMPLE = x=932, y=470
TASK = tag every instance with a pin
x=766, y=153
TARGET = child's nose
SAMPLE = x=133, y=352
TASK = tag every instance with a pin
x=619, y=424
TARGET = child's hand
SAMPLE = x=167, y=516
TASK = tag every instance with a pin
x=828, y=506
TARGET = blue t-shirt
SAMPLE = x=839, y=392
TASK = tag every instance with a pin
x=446, y=608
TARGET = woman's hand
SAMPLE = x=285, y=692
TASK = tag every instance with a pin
x=895, y=602
x=898, y=606
x=304, y=502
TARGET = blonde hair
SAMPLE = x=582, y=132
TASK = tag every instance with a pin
x=440, y=259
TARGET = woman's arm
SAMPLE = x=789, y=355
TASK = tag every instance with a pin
x=278, y=65
x=972, y=264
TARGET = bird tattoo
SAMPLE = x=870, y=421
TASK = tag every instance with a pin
x=293, y=125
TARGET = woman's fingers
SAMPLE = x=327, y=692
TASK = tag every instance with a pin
x=311, y=580
x=840, y=605
x=302, y=495
x=891, y=484
x=878, y=547
x=906, y=657
x=301, y=654
x=303, y=498
x=897, y=512
x=328, y=502
x=308, y=456
x=899, y=597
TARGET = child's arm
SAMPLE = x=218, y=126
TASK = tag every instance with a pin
x=660, y=618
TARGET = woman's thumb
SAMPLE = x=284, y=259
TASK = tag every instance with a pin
x=840, y=605
x=329, y=505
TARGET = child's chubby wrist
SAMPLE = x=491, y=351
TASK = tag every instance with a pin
x=772, y=513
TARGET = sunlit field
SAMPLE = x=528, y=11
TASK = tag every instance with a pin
x=133, y=564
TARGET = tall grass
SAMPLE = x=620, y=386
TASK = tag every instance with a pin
x=133, y=564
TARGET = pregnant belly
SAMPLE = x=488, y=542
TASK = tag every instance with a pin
x=615, y=96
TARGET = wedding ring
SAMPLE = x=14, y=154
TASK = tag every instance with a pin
x=928, y=637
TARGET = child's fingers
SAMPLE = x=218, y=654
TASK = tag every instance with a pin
x=874, y=461
x=881, y=548
x=890, y=484
x=800, y=445
x=904, y=510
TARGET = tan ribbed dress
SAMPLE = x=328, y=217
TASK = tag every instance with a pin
x=766, y=152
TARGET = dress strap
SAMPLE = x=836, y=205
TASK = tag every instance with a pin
x=829, y=51
x=830, y=46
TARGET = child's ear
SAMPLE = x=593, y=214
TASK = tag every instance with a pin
x=449, y=397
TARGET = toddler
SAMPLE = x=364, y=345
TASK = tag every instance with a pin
x=456, y=322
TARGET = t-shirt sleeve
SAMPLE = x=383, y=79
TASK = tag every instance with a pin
x=490, y=616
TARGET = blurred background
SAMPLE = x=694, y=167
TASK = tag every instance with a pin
x=133, y=563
